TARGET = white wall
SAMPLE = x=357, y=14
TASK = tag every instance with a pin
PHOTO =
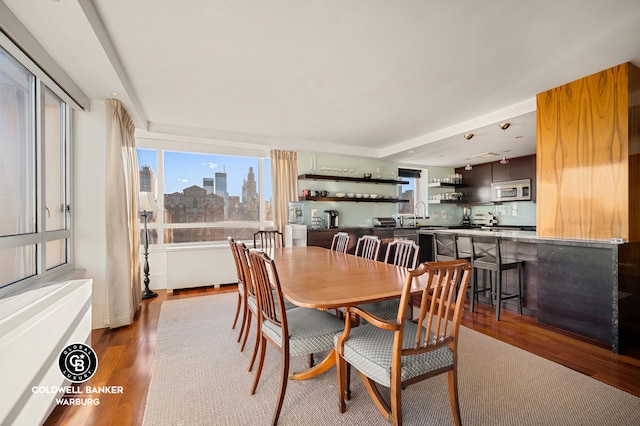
x=89, y=202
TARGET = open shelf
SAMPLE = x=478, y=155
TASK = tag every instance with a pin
x=356, y=200
x=308, y=176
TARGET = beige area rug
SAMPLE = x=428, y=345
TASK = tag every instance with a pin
x=200, y=378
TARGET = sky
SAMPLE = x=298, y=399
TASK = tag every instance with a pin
x=184, y=169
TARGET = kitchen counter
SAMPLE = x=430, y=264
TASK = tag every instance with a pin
x=523, y=236
x=582, y=286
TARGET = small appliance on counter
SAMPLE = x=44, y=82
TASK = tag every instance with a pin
x=493, y=220
x=466, y=216
x=331, y=218
x=384, y=222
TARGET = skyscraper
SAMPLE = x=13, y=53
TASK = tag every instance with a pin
x=147, y=179
x=221, y=190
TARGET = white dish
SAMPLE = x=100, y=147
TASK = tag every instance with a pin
x=374, y=196
x=365, y=195
x=350, y=195
x=358, y=195
x=340, y=194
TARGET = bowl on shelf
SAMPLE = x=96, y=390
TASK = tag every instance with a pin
x=351, y=195
x=374, y=196
x=358, y=195
x=340, y=194
x=367, y=175
x=365, y=195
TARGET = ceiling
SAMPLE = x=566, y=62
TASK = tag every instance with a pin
x=399, y=81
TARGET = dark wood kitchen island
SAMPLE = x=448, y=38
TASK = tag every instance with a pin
x=591, y=288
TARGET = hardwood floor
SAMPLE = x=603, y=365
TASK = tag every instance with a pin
x=125, y=356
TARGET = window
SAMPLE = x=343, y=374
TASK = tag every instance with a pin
x=414, y=191
x=206, y=197
x=35, y=233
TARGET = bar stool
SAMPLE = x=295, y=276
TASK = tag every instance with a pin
x=486, y=255
x=445, y=247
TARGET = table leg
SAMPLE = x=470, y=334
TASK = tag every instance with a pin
x=318, y=369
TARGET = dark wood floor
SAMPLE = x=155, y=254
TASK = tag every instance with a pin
x=125, y=356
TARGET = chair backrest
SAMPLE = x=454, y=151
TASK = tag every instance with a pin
x=445, y=246
x=340, y=242
x=441, y=307
x=247, y=278
x=236, y=261
x=402, y=253
x=268, y=239
x=268, y=291
x=486, y=250
x=368, y=246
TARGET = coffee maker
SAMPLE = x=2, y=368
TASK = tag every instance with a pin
x=331, y=218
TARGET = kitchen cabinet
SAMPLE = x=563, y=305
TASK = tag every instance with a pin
x=478, y=183
x=357, y=180
x=516, y=168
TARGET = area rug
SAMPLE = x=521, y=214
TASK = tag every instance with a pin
x=200, y=377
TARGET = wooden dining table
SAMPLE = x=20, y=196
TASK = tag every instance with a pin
x=316, y=277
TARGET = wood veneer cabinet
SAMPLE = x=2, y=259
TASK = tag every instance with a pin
x=588, y=166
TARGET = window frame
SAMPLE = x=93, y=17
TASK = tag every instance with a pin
x=41, y=236
x=161, y=145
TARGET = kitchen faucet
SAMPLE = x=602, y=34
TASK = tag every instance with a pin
x=415, y=212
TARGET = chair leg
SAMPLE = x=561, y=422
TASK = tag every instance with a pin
x=396, y=404
x=235, y=319
x=453, y=396
x=255, y=347
x=263, y=347
x=246, y=333
x=341, y=367
x=283, y=386
x=244, y=321
x=376, y=397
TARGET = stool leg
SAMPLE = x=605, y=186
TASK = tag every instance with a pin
x=474, y=288
x=519, y=270
x=498, y=294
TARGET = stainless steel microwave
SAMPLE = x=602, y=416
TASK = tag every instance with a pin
x=513, y=190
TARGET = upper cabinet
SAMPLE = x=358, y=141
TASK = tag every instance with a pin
x=516, y=168
x=478, y=183
x=478, y=180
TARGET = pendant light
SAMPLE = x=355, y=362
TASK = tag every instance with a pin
x=468, y=137
x=504, y=126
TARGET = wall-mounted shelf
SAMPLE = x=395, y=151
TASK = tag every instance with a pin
x=447, y=201
x=446, y=185
x=356, y=200
x=308, y=176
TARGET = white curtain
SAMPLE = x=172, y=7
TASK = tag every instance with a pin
x=122, y=222
x=284, y=184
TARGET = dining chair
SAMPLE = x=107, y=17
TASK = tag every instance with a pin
x=400, y=352
x=340, y=242
x=402, y=253
x=251, y=300
x=242, y=294
x=297, y=331
x=486, y=255
x=268, y=239
x=368, y=246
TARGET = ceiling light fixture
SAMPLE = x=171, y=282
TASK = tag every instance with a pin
x=504, y=126
x=468, y=137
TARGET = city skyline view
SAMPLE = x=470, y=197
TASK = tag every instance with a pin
x=184, y=169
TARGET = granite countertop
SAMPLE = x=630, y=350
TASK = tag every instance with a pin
x=525, y=237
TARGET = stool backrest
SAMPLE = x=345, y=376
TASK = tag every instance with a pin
x=486, y=250
x=445, y=246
